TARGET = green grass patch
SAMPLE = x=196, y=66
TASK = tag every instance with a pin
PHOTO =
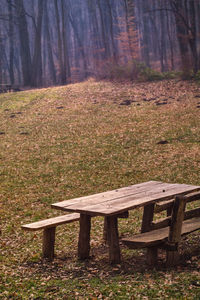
x=82, y=139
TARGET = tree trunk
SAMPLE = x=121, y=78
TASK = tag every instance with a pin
x=182, y=36
x=11, y=37
x=66, y=74
x=37, y=57
x=24, y=42
x=49, y=45
x=60, y=48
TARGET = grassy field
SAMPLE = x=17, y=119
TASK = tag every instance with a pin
x=63, y=142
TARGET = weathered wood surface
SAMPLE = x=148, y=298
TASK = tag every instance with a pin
x=113, y=240
x=52, y=222
x=48, y=243
x=124, y=215
x=49, y=230
x=155, y=237
x=147, y=218
x=164, y=222
x=84, y=237
x=118, y=201
x=191, y=213
x=152, y=256
x=160, y=206
x=175, y=229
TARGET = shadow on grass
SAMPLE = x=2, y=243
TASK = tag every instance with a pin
x=67, y=265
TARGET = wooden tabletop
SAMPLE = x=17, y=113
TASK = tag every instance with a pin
x=123, y=199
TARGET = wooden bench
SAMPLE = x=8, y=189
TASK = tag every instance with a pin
x=49, y=229
x=166, y=232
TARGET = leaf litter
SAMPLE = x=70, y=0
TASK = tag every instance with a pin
x=80, y=149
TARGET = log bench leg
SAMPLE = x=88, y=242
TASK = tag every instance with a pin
x=105, y=230
x=113, y=240
x=48, y=243
x=84, y=237
x=152, y=256
x=172, y=258
x=123, y=215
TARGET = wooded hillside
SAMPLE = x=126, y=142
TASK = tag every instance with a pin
x=62, y=41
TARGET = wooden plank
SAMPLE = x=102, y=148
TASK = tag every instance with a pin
x=106, y=196
x=168, y=204
x=164, y=222
x=192, y=213
x=52, y=222
x=190, y=225
x=147, y=239
x=126, y=203
x=158, y=236
x=193, y=196
x=163, y=205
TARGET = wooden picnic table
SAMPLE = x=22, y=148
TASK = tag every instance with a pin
x=111, y=204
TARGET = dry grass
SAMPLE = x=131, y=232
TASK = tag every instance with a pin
x=80, y=139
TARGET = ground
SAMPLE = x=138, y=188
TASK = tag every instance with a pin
x=64, y=142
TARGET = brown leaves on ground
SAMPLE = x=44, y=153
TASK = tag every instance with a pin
x=75, y=140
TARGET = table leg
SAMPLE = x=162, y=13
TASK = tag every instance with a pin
x=113, y=240
x=84, y=237
x=123, y=215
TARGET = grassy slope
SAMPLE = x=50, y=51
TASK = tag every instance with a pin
x=76, y=140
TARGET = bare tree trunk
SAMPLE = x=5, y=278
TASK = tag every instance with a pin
x=66, y=74
x=60, y=49
x=114, y=51
x=103, y=31
x=193, y=36
x=182, y=34
x=11, y=37
x=1, y=54
x=49, y=45
x=80, y=45
x=24, y=42
x=146, y=33
x=163, y=54
x=37, y=57
x=170, y=42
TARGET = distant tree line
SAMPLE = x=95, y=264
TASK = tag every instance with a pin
x=49, y=42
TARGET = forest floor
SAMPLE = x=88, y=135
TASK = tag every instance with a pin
x=64, y=142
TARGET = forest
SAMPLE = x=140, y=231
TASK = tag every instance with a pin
x=97, y=96
x=56, y=42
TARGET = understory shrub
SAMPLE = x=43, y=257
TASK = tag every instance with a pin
x=134, y=71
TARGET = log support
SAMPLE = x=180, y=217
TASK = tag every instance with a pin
x=147, y=217
x=84, y=237
x=152, y=256
x=113, y=240
x=48, y=243
x=123, y=215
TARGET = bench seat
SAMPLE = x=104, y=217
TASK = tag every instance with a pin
x=49, y=230
x=52, y=222
x=156, y=237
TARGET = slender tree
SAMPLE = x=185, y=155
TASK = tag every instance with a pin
x=25, y=54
